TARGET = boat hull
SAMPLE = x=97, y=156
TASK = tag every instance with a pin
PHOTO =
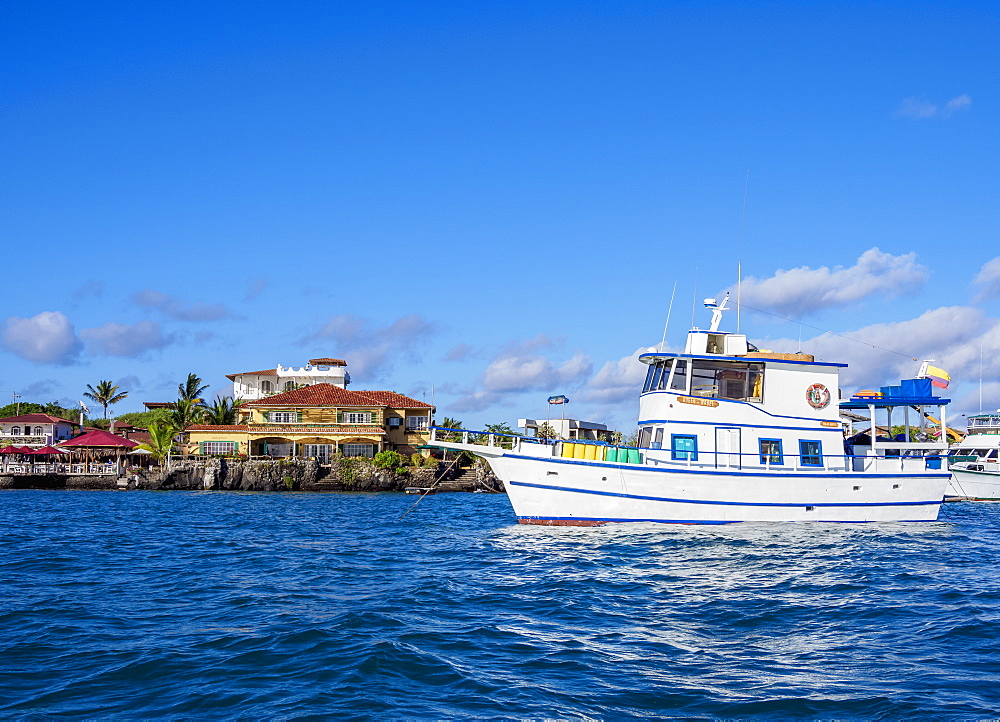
x=966, y=485
x=569, y=492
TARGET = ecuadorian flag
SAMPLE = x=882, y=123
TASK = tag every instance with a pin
x=938, y=377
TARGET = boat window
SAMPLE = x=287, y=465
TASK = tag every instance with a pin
x=645, y=434
x=770, y=452
x=683, y=447
x=811, y=453
x=657, y=439
x=649, y=378
x=736, y=380
x=679, y=381
x=992, y=454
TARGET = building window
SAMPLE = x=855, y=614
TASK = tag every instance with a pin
x=38, y=431
x=320, y=452
x=283, y=417
x=358, y=418
x=811, y=453
x=16, y=431
x=266, y=387
x=416, y=423
x=358, y=450
x=289, y=386
x=770, y=452
x=218, y=447
x=683, y=447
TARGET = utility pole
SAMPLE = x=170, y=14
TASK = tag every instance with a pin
x=14, y=400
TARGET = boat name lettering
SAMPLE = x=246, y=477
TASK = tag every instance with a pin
x=696, y=401
x=829, y=424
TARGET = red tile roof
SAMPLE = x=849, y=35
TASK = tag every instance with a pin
x=36, y=419
x=267, y=372
x=330, y=395
x=98, y=438
x=327, y=362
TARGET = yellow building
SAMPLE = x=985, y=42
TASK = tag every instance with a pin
x=318, y=421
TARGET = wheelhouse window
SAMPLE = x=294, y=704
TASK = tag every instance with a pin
x=683, y=447
x=658, y=439
x=645, y=436
x=735, y=380
x=667, y=374
x=770, y=452
x=811, y=453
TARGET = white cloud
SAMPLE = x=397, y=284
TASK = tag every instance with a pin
x=801, y=290
x=47, y=338
x=921, y=108
x=988, y=277
x=884, y=353
x=617, y=382
x=117, y=339
x=180, y=310
x=371, y=351
x=520, y=368
x=956, y=104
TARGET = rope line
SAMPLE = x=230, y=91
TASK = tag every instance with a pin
x=832, y=333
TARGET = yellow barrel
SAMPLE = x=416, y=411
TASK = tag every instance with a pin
x=579, y=451
x=590, y=452
x=567, y=450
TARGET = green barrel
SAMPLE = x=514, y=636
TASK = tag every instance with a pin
x=632, y=455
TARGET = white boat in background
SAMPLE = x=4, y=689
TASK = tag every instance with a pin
x=975, y=462
x=727, y=434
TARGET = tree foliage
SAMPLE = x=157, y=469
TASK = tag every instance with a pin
x=161, y=440
x=224, y=411
x=191, y=389
x=105, y=394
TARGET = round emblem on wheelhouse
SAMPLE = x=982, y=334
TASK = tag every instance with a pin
x=818, y=396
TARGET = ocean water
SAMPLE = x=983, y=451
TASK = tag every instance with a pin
x=217, y=604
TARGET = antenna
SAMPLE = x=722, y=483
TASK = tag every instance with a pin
x=669, y=309
x=739, y=257
x=694, y=296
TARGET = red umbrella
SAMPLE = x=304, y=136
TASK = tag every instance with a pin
x=47, y=451
x=9, y=450
x=23, y=450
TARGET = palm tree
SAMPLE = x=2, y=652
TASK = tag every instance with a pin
x=183, y=413
x=106, y=393
x=191, y=389
x=161, y=440
x=224, y=412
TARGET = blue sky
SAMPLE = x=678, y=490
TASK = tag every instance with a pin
x=493, y=200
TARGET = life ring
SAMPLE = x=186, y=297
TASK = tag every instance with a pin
x=818, y=396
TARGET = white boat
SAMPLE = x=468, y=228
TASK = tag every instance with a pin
x=974, y=462
x=726, y=434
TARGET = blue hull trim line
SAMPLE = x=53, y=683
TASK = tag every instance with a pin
x=719, y=472
x=716, y=503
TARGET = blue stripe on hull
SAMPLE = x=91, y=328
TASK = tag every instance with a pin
x=717, y=503
x=580, y=520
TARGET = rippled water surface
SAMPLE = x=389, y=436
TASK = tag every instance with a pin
x=220, y=604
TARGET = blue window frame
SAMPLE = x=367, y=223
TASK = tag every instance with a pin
x=770, y=452
x=810, y=453
x=683, y=447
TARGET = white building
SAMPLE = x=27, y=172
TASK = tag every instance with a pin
x=254, y=385
x=34, y=430
x=568, y=429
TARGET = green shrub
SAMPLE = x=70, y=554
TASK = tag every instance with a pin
x=390, y=460
x=289, y=483
x=416, y=460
